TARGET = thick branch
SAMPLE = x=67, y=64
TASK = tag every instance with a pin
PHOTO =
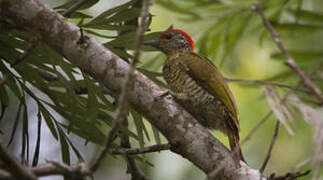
x=35, y=40
x=185, y=134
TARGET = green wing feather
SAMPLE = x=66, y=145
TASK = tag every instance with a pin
x=205, y=73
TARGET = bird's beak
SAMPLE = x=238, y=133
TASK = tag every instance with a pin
x=154, y=43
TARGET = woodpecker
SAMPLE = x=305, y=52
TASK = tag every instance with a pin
x=198, y=86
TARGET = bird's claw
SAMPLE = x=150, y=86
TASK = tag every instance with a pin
x=167, y=92
x=179, y=96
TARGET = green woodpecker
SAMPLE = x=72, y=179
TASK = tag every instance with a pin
x=198, y=86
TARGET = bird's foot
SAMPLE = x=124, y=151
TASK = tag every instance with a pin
x=179, y=96
x=165, y=93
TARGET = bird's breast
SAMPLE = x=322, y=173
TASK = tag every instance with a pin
x=180, y=81
x=200, y=103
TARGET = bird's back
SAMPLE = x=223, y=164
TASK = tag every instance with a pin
x=202, y=103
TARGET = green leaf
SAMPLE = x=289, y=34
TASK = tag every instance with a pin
x=238, y=24
x=105, y=117
x=37, y=146
x=171, y=5
x=156, y=134
x=77, y=15
x=12, y=84
x=98, y=21
x=70, y=3
x=126, y=40
x=75, y=150
x=124, y=15
x=87, y=131
x=107, y=104
x=296, y=26
x=92, y=106
x=48, y=120
x=25, y=132
x=139, y=127
x=299, y=56
x=15, y=125
x=111, y=27
x=8, y=47
x=306, y=16
x=64, y=146
x=98, y=34
x=4, y=96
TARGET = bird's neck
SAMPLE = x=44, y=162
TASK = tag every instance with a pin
x=178, y=51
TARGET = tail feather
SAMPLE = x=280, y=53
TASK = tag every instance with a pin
x=235, y=147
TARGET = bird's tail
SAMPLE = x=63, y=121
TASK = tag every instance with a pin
x=235, y=147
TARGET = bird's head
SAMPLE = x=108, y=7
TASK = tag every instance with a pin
x=172, y=41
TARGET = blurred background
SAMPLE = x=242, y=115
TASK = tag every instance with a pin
x=229, y=33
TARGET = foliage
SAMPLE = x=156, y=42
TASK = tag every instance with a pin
x=88, y=109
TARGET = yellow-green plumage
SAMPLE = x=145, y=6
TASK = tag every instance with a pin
x=210, y=99
x=199, y=86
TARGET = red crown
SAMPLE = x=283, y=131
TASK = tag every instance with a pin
x=188, y=37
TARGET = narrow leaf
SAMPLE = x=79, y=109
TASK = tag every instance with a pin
x=37, y=147
x=156, y=135
x=64, y=146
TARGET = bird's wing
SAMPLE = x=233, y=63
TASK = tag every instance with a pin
x=205, y=73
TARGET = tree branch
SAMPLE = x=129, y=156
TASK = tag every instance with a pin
x=149, y=149
x=262, y=82
x=132, y=168
x=289, y=175
x=187, y=137
x=273, y=140
x=78, y=171
x=258, y=125
x=35, y=41
x=289, y=60
x=17, y=171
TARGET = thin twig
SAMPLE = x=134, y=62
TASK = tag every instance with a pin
x=148, y=149
x=313, y=100
x=121, y=111
x=132, y=168
x=289, y=175
x=303, y=163
x=78, y=171
x=14, y=167
x=289, y=60
x=273, y=140
x=258, y=125
x=263, y=82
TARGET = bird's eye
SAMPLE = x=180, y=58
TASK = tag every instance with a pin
x=168, y=36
